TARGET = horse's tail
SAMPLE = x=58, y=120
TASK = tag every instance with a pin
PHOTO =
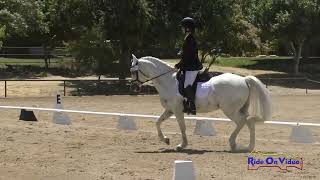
x=259, y=99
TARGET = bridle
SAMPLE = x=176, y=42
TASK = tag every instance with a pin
x=148, y=79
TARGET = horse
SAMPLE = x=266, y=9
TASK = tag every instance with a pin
x=244, y=100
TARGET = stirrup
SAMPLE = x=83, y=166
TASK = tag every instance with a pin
x=192, y=108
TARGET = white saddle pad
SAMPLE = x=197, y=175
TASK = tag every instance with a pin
x=203, y=89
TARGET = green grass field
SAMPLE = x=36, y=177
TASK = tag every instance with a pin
x=280, y=64
x=54, y=62
x=238, y=61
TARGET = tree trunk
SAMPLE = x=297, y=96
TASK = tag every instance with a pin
x=45, y=51
x=297, y=54
x=124, y=56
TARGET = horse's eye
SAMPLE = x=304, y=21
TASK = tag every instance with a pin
x=134, y=69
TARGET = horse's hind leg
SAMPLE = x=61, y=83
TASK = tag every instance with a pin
x=240, y=119
x=165, y=115
x=243, y=119
x=251, y=125
x=232, y=139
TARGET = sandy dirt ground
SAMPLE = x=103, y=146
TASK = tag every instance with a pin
x=92, y=147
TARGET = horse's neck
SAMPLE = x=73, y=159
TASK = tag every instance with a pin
x=166, y=85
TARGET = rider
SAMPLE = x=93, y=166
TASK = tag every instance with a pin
x=189, y=63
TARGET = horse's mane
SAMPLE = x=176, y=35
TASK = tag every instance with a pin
x=157, y=62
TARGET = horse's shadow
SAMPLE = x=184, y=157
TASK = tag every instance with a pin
x=183, y=151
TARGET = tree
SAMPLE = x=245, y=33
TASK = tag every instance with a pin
x=22, y=18
x=92, y=52
x=294, y=24
x=2, y=35
x=24, y=21
x=223, y=25
x=289, y=21
x=125, y=21
x=165, y=30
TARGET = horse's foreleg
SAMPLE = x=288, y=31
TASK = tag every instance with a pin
x=182, y=125
x=165, y=115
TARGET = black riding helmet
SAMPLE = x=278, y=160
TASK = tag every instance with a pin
x=188, y=22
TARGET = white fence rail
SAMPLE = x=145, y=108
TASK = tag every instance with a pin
x=153, y=116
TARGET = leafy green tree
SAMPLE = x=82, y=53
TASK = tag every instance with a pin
x=92, y=52
x=165, y=30
x=24, y=21
x=292, y=22
x=22, y=18
x=2, y=35
x=222, y=24
x=125, y=21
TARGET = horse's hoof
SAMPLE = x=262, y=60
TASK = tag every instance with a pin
x=180, y=147
x=167, y=141
x=233, y=151
x=240, y=150
x=233, y=148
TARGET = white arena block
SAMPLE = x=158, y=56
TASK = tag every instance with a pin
x=204, y=128
x=183, y=170
x=301, y=134
x=60, y=117
x=126, y=123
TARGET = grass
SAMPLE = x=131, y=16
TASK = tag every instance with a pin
x=235, y=61
x=54, y=62
x=245, y=61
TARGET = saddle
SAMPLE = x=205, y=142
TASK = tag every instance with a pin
x=203, y=76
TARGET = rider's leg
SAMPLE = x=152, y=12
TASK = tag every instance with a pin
x=190, y=77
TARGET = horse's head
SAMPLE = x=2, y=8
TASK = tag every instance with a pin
x=138, y=78
x=147, y=69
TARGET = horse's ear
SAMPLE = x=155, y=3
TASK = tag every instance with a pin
x=134, y=59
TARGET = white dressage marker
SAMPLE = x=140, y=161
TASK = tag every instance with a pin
x=126, y=123
x=204, y=128
x=301, y=134
x=183, y=170
x=60, y=117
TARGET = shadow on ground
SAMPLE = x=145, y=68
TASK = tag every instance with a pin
x=90, y=88
x=184, y=151
x=309, y=68
x=35, y=71
x=307, y=65
x=290, y=81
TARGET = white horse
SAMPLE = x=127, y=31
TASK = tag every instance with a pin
x=245, y=100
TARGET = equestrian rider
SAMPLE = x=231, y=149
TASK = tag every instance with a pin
x=189, y=63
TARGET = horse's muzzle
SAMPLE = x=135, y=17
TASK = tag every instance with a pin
x=135, y=87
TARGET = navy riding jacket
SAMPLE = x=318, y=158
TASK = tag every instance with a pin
x=189, y=60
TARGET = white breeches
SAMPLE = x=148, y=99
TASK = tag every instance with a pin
x=190, y=77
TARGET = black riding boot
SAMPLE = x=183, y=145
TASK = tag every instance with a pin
x=191, y=107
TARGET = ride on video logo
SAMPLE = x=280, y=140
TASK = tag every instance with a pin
x=257, y=160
